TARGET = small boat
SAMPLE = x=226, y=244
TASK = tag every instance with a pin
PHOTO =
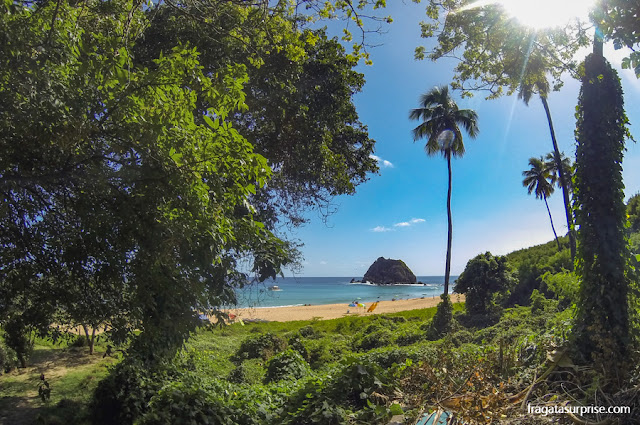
x=274, y=288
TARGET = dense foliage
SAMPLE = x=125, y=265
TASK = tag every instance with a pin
x=531, y=264
x=494, y=53
x=120, y=198
x=602, y=322
x=299, y=116
x=486, y=282
x=134, y=173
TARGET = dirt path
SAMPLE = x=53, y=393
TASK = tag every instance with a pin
x=19, y=400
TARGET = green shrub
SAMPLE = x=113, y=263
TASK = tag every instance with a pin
x=287, y=365
x=308, y=332
x=197, y=401
x=8, y=358
x=388, y=356
x=19, y=339
x=564, y=285
x=248, y=372
x=123, y=396
x=409, y=336
x=296, y=343
x=334, y=399
x=379, y=338
x=537, y=302
x=463, y=336
x=78, y=342
x=442, y=321
x=262, y=346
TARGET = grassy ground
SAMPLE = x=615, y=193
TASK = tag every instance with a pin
x=72, y=375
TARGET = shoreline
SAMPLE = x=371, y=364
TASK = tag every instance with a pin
x=332, y=311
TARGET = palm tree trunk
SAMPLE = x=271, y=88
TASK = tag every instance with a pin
x=552, y=227
x=563, y=182
x=447, y=268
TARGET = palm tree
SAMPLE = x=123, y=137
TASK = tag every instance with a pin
x=567, y=169
x=441, y=119
x=527, y=89
x=538, y=179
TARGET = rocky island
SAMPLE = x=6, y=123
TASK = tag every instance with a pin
x=387, y=271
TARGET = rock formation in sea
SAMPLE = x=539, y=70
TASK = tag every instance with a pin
x=388, y=271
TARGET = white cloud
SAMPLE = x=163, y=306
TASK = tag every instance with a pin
x=379, y=229
x=324, y=263
x=382, y=162
x=410, y=222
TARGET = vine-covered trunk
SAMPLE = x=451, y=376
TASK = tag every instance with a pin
x=563, y=183
x=602, y=319
x=552, y=226
x=447, y=268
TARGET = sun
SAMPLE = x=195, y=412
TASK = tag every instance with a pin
x=540, y=14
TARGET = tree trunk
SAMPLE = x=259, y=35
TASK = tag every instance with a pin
x=552, y=227
x=450, y=231
x=22, y=359
x=563, y=182
x=92, y=341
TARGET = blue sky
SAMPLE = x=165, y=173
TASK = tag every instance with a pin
x=401, y=212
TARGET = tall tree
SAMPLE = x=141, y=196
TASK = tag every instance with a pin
x=602, y=320
x=122, y=203
x=497, y=55
x=525, y=92
x=441, y=121
x=539, y=180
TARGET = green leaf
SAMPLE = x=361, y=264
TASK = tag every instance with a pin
x=396, y=409
x=211, y=123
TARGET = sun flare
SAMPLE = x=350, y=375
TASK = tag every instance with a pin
x=540, y=14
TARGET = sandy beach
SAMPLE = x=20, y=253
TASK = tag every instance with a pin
x=334, y=311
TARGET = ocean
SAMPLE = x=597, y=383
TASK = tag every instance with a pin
x=334, y=290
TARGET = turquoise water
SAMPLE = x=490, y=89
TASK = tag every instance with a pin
x=334, y=290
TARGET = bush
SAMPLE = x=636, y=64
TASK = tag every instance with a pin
x=564, y=285
x=442, y=321
x=308, y=332
x=123, y=396
x=297, y=343
x=462, y=337
x=379, y=338
x=262, y=346
x=287, y=365
x=8, y=358
x=78, y=342
x=537, y=302
x=18, y=339
x=331, y=400
x=248, y=372
x=409, y=336
x=388, y=356
x=487, y=282
x=196, y=401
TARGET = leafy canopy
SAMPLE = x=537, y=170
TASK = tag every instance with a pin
x=494, y=53
x=123, y=203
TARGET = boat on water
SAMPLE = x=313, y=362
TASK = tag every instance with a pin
x=274, y=288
